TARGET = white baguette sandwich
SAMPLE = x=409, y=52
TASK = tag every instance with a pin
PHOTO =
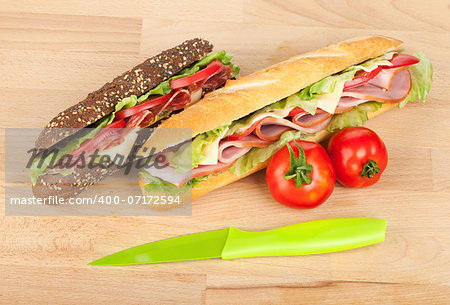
x=238, y=128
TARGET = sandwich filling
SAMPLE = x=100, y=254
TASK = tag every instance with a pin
x=335, y=102
x=117, y=132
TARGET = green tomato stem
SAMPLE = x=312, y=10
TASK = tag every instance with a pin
x=299, y=170
x=370, y=169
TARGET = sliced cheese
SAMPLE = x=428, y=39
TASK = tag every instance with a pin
x=329, y=101
x=196, y=96
x=376, y=64
x=123, y=149
x=211, y=151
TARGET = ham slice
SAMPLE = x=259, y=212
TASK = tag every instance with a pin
x=219, y=78
x=307, y=120
x=141, y=119
x=229, y=151
x=385, y=77
x=179, y=100
x=347, y=102
x=271, y=128
x=400, y=87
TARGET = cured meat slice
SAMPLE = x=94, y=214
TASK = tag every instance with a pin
x=400, y=87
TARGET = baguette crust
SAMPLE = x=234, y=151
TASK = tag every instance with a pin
x=252, y=92
x=136, y=81
x=227, y=177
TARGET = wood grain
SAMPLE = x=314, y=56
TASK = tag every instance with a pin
x=53, y=53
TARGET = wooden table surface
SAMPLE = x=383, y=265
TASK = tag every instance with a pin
x=53, y=53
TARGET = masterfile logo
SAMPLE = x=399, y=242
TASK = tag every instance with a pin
x=93, y=178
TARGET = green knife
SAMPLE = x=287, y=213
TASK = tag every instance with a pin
x=313, y=237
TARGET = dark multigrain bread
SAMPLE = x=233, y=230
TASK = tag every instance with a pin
x=136, y=81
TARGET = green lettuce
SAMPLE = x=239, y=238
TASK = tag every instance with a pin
x=222, y=56
x=421, y=77
x=160, y=186
x=355, y=117
x=181, y=159
x=157, y=185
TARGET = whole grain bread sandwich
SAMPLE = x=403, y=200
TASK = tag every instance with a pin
x=108, y=121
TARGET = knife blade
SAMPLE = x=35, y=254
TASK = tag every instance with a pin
x=313, y=237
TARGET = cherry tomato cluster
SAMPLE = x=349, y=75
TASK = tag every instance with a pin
x=302, y=174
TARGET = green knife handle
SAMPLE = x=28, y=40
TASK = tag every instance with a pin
x=313, y=237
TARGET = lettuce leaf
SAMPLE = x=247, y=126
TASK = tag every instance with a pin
x=421, y=77
x=222, y=56
x=181, y=159
x=157, y=186
x=355, y=117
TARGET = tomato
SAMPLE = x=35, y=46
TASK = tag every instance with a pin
x=295, y=111
x=362, y=78
x=203, y=74
x=117, y=124
x=301, y=175
x=359, y=156
x=401, y=60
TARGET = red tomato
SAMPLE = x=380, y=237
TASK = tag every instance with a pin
x=362, y=78
x=117, y=124
x=295, y=111
x=203, y=74
x=401, y=60
x=359, y=156
x=301, y=176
